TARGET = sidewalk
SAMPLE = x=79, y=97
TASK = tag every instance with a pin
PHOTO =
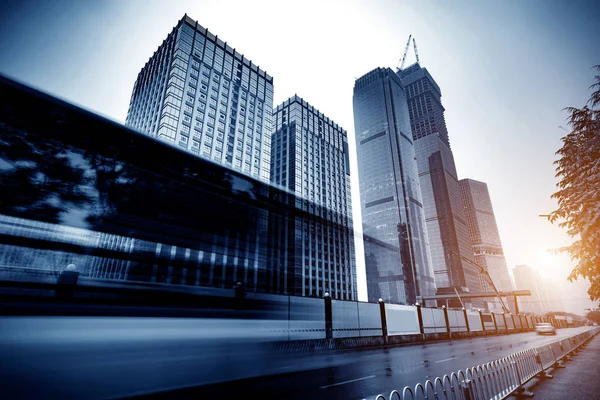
x=579, y=380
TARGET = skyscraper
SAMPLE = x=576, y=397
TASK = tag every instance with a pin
x=397, y=258
x=199, y=93
x=310, y=158
x=526, y=278
x=442, y=202
x=484, y=234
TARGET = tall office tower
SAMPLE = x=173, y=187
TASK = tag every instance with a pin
x=310, y=158
x=397, y=258
x=553, y=295
x=199, y=93
x=484, y=234
x=442, y=202
x=526, y=278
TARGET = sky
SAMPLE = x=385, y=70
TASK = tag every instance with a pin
x=506, y=70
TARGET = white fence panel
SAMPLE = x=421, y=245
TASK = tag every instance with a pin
x=307, y=318
x=509, y=322
x=517, y=322
x=369, y=319
x=433, y=320
x=474, y=321
x=344, y=318
x=457, y=322
x=488, y=322
x=401, y=320
x=500, y=321
x=530, y=321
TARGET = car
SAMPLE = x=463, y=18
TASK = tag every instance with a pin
x=545, y=328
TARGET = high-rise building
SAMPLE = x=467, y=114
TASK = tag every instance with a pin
x=527, y=278
x=310, y=158
x=553, y=295
x=484, y=234
x=199, y=93
x=442, y=202
x=397, y=258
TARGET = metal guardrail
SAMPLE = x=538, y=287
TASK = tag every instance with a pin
x=498, y=379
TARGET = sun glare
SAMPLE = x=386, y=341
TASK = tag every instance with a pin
x=547, y=262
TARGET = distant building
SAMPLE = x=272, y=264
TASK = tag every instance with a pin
x=310, y=158
x=444, y=212
x=198, y=93
x=484, y=234
x=553, y=296
x=527, y=278
x=397, y=255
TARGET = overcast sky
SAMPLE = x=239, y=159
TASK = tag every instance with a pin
x=506, y=70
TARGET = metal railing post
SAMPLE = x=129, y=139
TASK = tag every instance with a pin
x=66, y=283
x=447, y=322
x=521, y=391
x=420, y=317
x=482, y=322
x=328, y=317
x=505, y=324
x=543, y=373
x=495, y=323
x=557, y=363
x=467, y=322
x=384, y=331
x=466, y=387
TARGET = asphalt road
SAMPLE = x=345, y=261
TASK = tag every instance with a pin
x=102, y=358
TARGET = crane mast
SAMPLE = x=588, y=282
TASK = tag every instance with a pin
x=486, y=274
x=403, y=59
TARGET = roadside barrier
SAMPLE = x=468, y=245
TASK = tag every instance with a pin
x=498, y=379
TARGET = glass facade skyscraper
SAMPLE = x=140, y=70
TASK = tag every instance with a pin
x=397, y=256
x=310, y=158
x=527, y=278
x=485, y=238
x=483, y=230
x=442, y=201
x=199, y=93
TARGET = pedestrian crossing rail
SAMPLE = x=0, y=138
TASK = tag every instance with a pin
x=498, y=379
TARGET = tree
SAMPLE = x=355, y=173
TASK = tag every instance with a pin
x=593, y=316
x=578, y=195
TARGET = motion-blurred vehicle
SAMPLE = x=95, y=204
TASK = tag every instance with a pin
x=545, y=328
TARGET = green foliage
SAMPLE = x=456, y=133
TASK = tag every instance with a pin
x=578, y=194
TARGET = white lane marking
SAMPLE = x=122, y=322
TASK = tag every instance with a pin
x=350, y=381
x=444, y=360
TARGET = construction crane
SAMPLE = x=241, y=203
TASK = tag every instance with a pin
x=403, y=59
x=416, y=52
x=484, y=272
